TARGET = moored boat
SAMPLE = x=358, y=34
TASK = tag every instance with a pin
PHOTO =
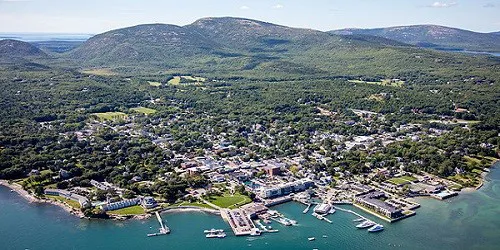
x=376, y=228
x=365, y=224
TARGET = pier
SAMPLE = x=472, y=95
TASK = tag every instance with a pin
x=350, y=211
x=307, y=208
x=163, y=229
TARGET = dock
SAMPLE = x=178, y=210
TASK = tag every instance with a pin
x=163, y=228
x=350, y=211
x=307, y=209
x=240, y=223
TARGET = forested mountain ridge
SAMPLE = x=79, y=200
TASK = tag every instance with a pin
x=17, y=49
x=433, y=36
x=249, y=48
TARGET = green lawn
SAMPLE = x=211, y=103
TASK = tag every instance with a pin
x=154, y=84
x=143, y=110
x=133, y=210
x=99, y=72
x=175, y=81
x=230, y=201
x=72, y=203
x=402, y=180
x=111, y=115
x=385, y=82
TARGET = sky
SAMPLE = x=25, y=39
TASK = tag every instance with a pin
x=97, y=16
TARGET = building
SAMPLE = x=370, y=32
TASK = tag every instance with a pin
x=286, y=189
x=373, y=202
x=272, y=170
x=82, y=200
x=322, y=208
x=120, y=204
x=149, y=202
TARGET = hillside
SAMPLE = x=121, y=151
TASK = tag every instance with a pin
x=433, y=36
x=238, y=47
x=144, y=43
x=17, y=49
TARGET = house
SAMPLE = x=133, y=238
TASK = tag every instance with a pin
x=149, y=202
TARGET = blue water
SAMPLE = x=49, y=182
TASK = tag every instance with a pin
x=38, y=37
x=468, y=221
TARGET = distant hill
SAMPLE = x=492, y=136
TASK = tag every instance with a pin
x=242, y=47
x=151, y=42
x=16, y=49
x=433, y=36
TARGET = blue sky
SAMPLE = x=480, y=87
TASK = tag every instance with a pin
x=96, y=16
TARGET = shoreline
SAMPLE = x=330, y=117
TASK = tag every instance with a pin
x=14, y=187
x=32, y=199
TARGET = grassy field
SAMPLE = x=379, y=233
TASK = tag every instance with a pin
x=230, y=201
x=133, y=210
x=385, y=82
x=402, y=180
x=195, y=80
x=72, y=203
x=175, y=81
x=111, y=115
x=99, y=72
x=154, y=84
x=143, y=110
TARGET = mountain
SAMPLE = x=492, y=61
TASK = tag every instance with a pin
x=239, y=47
x=150, y=42
x=433, y=36
x=16, y=49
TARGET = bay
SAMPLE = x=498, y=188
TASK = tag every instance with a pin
x=468, y=221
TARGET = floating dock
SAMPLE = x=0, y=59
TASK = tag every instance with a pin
x=307, y=209
x=163, y=229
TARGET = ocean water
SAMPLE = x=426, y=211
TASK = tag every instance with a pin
x=468, y=221
x=38, y=37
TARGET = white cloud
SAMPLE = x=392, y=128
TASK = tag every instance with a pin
x=278, y=6
x=489, y=5
x=244, y=7
x=442, y=5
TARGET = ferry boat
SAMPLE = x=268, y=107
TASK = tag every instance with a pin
x=365, y=224
x=376, y=228
x=213, y=230
x=219, y=235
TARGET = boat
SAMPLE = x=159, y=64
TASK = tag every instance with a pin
x=376, y=228
x=365, y=224
x=325, y=236
x=213, y=230
x=219, y=235
x=311, y=238
x=332, y=210
x=255, y=232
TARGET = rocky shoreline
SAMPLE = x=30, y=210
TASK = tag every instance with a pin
x=14, y=187
x=32, y=199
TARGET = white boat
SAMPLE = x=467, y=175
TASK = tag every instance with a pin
x=365, y=224
x=213, y=230
x=376, y=228
x=216, y=235
x=311, y=238
x=325, y=236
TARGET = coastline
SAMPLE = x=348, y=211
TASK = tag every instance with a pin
x=32, y=199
